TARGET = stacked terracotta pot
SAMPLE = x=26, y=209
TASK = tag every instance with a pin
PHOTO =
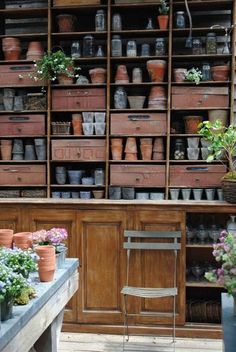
x=121, y=76
x=158, y=149
x=157, y=98
x=146, y=148
x=98, y=75
x=131, y=152
x=35, y=51
x=46, y=263
x=156, y=70
x=77, y=124
x=6, y=149
x=22, y=240
x=6, y=238
x=11, y=48
x=116, y=148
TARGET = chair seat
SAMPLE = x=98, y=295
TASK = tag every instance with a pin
x=149, y=292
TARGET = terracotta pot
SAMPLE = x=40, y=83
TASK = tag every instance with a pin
x=220, y=73
x=23, y=240
x=191, y=124
x=11, y=48
x=6, y=151
x=116, y=141
x=64, y=79
x=45, y=251
x=46, y=263
x=131, y=156
x=98, y=75
x=163, y=21
x=121, y=76
x=158, y=156
x=98, y=194
x=158, y=145
x=157, y=98
x=146, y=151
x=77, y=124
x=6, y=237
x=179, y=74
x=35, y=51
x=116, y=148
x=221, y=115
x=156, y=70
x=131, y=145
x=46, y=275
x=146, y=141
x=66, y=23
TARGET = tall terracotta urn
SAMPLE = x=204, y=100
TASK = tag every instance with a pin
x=46, y=263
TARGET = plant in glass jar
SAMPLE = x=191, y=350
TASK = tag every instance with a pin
x=163, y=17
x=193, y=75
x=222, y=143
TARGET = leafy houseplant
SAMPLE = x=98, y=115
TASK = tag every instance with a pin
x=222, y=142
x=163, y=15
x=54, y=64
x=193, y=75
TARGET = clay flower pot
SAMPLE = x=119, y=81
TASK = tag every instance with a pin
x=156, y=70
x=35, y=51
x=11, y=48
x=136, y=102
x=64, y=79
x=131, y=145
x=6, y=237
x=66, y=23
x=77, y=124
x=131, y=156
x=121, y=76
x=179, y=74
x=157, y=98
x=220, y=73
x=98, y=75
x=146, y=148
x=22, y=240
x=116, y=148
x=46, y=263
x=191, y=124
x=163, y=21
x=6, y=149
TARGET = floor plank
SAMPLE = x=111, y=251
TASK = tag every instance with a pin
x=72, y=342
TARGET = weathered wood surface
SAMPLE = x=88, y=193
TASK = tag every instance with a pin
x=113, y=343
x=29, y=322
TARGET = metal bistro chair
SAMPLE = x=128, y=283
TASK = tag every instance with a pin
x=139, y=243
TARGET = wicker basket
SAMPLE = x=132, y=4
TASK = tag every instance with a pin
x=229, y=190
x=34, y=193
x=61, y=127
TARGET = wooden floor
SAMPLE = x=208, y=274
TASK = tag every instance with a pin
x=71, y=342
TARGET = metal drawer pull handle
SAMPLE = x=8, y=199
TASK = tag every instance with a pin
x=198, y=168
x=138, y=117
x=20, y=68
x=19, y=118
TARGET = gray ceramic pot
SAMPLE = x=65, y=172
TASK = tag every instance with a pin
x=128, y=193
x=114, y=192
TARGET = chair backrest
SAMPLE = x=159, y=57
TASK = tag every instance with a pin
x=138, y=242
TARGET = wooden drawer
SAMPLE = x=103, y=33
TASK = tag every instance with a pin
x=92, y=98
x=18, y=75
x=196, y=97
x=19, y=125
x=87, y=149
x=141, y=124
x=22, y=175
x=137, y=175
x=196, y=175
x=75, y=2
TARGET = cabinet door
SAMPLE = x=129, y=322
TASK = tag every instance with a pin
x=155, y=269
x=48, y=218
x=102, y=271
x=10, y=218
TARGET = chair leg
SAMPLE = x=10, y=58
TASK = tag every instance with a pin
x=126, y=329
x=174, y=304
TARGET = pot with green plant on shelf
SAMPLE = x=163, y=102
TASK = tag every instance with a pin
x=222, y=142
x=163, y=17
x=193, y=75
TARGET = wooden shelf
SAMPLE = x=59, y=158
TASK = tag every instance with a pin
x=205, y=5
x=141, y=32
x=143, y=84
x=137, y=135
x=200, y=108
x=214, y=57
x=202, y=284
x=23, y=111
x=74, y=8
x=186, y=161
x=77, y=186
x=24, y=12
x=90, y=85
x=136, y=110
x=74, y=35
x=197, y=245
x=72, y=136
x=137, y=162
x=78, y=110
x=22, y=162
x=26, y=37
x=77, y=161
x=205, y=83
x=137, y=58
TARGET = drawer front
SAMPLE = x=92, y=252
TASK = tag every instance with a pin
x=142, y=175
x=17, y=75
x=23, y=175
x=79, y=99
x=140, y=124
x=75, y=2
x=19, y=125
x=196, y=175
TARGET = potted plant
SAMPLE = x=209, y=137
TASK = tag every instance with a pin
x=193, y=75
x=222, y=142
x=225, y=253
x=163, y=17
x=55, y=66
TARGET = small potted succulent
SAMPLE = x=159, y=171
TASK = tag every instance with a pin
x=55, y=66
x=163, y=17
x=222, y=142
x=193, y=75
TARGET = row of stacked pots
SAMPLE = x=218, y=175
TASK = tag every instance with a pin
x=11, y=47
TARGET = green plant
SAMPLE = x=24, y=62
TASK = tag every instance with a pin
x=193, y=75
x=163, y=9
x=53, y=64
x=225, y=253
x=223, y=142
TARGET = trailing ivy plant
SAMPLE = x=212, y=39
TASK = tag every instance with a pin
x=193, y=75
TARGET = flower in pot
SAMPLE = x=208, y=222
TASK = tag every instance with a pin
x=55, y=65
x=223, y=141
x=163, y=17
x=193, y=75
x=225, y=253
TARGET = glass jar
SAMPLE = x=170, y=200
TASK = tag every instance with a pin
x=137, y=75
x=100, y=21
x=179, y=149
x=197, y=46
x=88, y=46
x=120, y=98
x=180, y=19
x=131, y=48
x=211, y=43
x=116, y=22
x=206, y=71
x=75, y=50
x=145, y=49
x=99, y=177
x=116, y=46
x=100, y=52
x=160, y=47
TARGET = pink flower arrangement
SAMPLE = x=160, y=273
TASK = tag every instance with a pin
x=55, y=236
